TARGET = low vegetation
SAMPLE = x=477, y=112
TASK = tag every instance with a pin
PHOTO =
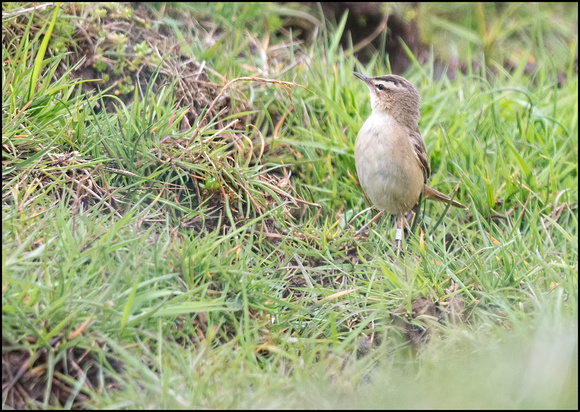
x=179, y=205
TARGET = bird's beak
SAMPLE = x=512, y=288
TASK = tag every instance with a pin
x=362, y=77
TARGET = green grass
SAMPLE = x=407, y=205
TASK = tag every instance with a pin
x=216, y=268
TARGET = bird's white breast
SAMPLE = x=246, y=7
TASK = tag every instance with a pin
x=386, y=164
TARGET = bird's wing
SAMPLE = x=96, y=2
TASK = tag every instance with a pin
x=421, y=153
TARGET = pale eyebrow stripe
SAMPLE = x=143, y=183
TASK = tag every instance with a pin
x=392, y=80
x=388, y=83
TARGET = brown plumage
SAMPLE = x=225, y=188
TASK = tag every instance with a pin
x=391, y=160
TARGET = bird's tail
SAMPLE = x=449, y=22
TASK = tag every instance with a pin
x=432, y=194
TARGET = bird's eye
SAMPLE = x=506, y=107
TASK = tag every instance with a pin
x=381, y=86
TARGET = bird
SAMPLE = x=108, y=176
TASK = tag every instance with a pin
x=390, y=157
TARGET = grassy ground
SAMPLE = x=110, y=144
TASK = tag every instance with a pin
x=155, y=259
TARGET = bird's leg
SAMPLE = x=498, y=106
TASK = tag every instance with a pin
x=399, y=232
x=362, y=229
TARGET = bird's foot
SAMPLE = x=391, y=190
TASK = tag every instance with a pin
x=361, y=231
